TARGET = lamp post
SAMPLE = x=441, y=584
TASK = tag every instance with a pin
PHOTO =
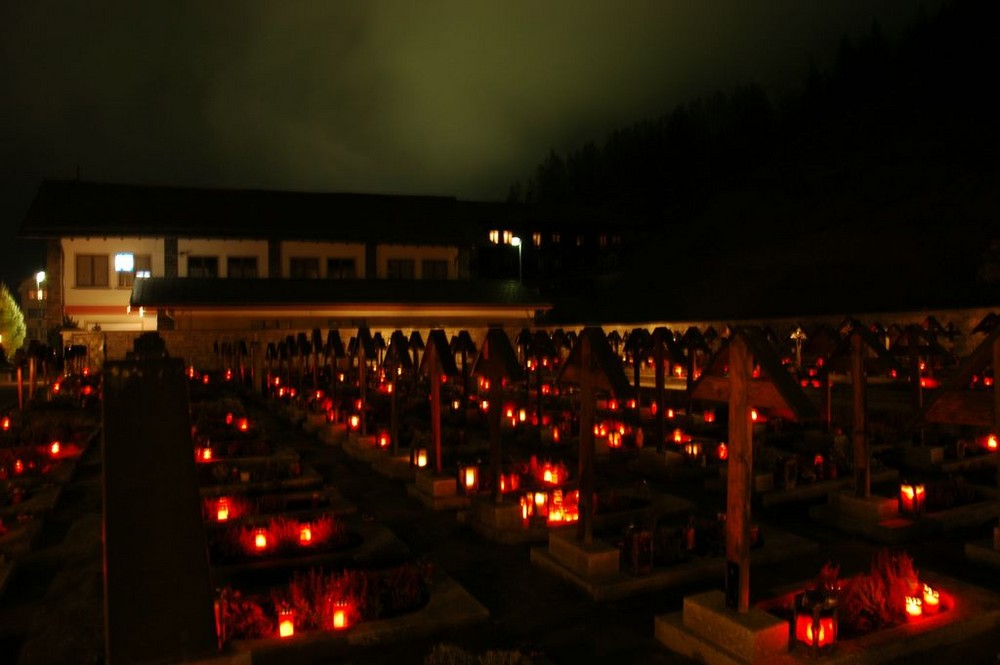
x=516, y=242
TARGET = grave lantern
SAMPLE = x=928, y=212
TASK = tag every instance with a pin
x=991, y=443
x=305, y=534
x=222, y=510
x=816, y=620
x=911, y=498
x=722, y=452
x=286, y=623
x=468, y=477
x=418, y=457
x=914, y=607
x=692, y=450
x=383, y=439
x=260, y=539
x=54, y=448
x=709, y=416
x=340, y=617
x=5, y=423
x=355, y=422
x=931, y=600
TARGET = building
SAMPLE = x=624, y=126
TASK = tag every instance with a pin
x=126, y=259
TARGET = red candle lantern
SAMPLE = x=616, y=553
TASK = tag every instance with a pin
x=911, y=498
x=260, y=540
x=54, y=448
x=5, y=423
x=340, y=618
x=816, y=619
x=418, y=458
x=692, y=450
x=991, y=443
x=205, y=455
x=722, y=452
x=709, y=416
x=383, y=439
x=931, y=600
x=222, y=510
x=18, y=466
x=355, y=422
x=286, y=623
x=305, y=534
x=244, y=425
x=914, y=607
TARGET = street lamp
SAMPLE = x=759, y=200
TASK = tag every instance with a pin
x=516, y=242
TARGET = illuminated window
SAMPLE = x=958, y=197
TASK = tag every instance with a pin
x=241, y=267
x=495, y=237
x=400, y=269
x=92, y=270
x=341, y=269
x=124, y=262
x=507, y=235
x=203, y=266
x=536, y=239
x=556, y=238
x=433, y=269
x=304, y=267
x=130, y=267
x=616, y=239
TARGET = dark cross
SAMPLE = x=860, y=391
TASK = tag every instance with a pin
x=497, y=361
x=438, y=361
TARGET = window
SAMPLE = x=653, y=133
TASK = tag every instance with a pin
x=92, y=270
x=400, y=269
x=495, y=237
x=434, y=269
x=536, y=239
x=340, y=269
x=241, y=267
x=304, y=267
x=556, y=238
x=131, y=267
x=203, y=266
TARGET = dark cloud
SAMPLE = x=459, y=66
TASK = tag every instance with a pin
x=455, y=98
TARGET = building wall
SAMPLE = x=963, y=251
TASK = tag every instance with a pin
x=385, y=253
x=222, y=250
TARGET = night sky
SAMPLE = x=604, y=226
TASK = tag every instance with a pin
x=451, y=98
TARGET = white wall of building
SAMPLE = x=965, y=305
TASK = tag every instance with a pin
x=384, y=253
x=323, y=251
x=222, y=250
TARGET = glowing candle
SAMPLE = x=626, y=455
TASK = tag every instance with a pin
x=260, y=539
x=286, y=623
x=914, y=607
x=222, y=510
x=932, y=600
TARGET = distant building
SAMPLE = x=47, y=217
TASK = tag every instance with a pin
x=32, y=295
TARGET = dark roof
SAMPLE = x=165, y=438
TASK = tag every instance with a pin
x=605, y=366
x=72, y=208
x=210, y=292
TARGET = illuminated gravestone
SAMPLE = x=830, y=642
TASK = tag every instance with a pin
x=158, y=594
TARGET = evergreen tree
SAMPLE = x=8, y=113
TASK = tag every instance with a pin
x=12, y=326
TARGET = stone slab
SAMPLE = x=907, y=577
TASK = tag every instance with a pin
x=436, y=486
x=446, y=502
x=751, y=636
x=397, y=468
x=588, y=560
x=868, y=509
x=983, y=552
x=361, y=447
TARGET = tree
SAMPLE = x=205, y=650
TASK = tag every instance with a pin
x=12, y=328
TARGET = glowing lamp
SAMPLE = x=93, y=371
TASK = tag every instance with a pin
x=229, y=418
x=18, y=466
x=469, y=476
x=612, y=405
x=653, y=408
x=678, y=436
x=205, y=455
x=931, y=600
x=631, y=404
x=383, y=439
x=54, y=448
x=615, y=440
x=260, y=540
x=5, y=423
x=815, y=620
x=508, y=412
x=222, y=510
x=229, y=374
x=911, y=498
x=485, y=383
x=522, y=415
x=914, y=607
x=991, y=443
x=546, y=389
x=355, y=422
x=243, y=425
x=722, y=452
x=340, y=621
x=754, y=416
x=305, y=534
x=692, y=450
x=456, y=404
x=670, y=414
x=988, y=381
x=484, y=405
x=555, y=435
x=420, y=458
x=204, y=379
x=709, y=416
x=286, y=623
x=510, y=482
